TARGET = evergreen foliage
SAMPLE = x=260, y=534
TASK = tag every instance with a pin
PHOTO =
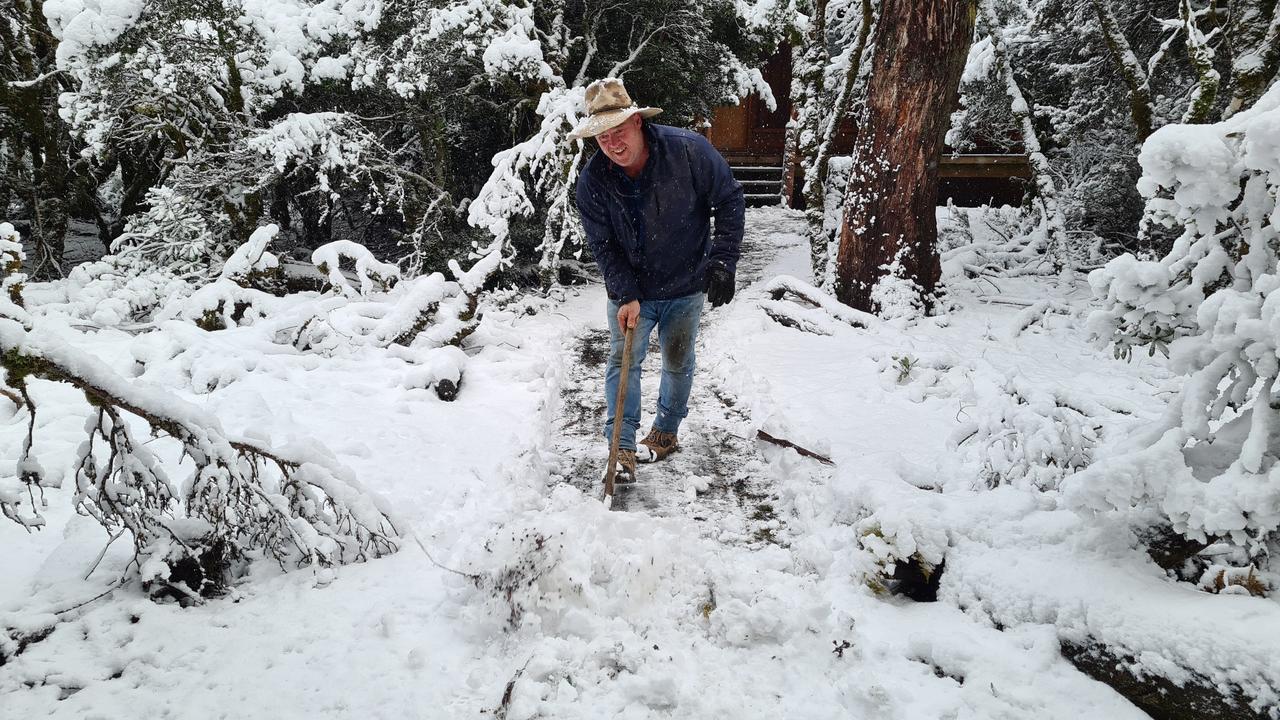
x=375, y=122
x=1207, y=469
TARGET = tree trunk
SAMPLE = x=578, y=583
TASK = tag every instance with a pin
x=1045, y=189
x=1189, y=698
x=920, y=50
x=810, y=53
x=29, y=55
x=1255, y=47
x=1141, y=108
x=1200, y=55
x=826, y=125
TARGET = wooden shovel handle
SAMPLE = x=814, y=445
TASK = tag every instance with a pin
x=617, y=413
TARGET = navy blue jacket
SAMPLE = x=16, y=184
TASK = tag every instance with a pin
x=652, y=236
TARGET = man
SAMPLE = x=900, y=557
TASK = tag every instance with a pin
x=646, y=200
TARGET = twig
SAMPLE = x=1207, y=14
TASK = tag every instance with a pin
x=505, y=704
x=103, y=553
x=425, y=551
x=11, y=397
x=1007, y=301
x=788, y=444
x=110, y=589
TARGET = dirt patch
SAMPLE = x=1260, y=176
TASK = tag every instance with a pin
x=593, y=348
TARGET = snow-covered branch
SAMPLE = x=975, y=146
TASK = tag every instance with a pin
x=295, y=505
x=1210, y=304
x=815, y=311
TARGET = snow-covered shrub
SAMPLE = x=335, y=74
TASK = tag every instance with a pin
x=117, y=290
x=326, y=162
x=1209, y=467
x=174, y=236
x=954, y=228
x=1002, y=241
x=428, y=311
x=1030, y=438
x=896, y=295
x=242, y=292
x=252, y=264
x=204, y=93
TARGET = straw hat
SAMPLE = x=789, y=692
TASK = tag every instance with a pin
x=608, y=105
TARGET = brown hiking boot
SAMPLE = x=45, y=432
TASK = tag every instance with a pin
x=625, y=471
x=657, y=445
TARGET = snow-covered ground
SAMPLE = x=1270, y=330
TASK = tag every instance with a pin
x=735, y=581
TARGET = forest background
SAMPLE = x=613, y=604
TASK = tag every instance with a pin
x=413, y=157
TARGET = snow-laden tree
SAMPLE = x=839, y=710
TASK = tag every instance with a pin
x=1208, y=470
x=41, y=178
x=1255, y=51
x=172, y=234
x=177, y=95
x=190, y=224
x=204, y=89
x=830, y=49
x=1099, y=76
x=990, y=63
x=524, y=66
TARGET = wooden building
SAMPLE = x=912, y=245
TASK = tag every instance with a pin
x=751, y=137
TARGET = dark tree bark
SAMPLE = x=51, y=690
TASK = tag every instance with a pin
x=141, y=168
x=40, y=141
x=920, y=50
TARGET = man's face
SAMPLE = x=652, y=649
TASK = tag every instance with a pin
x=624, y=144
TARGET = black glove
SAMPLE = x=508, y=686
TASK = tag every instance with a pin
x=719, y=285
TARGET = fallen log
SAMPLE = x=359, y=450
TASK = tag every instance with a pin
x=788, y=444
x=1158, y=696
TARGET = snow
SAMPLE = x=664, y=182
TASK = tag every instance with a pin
x=370, y=271
x=11, y=258
x=1209, y=305
x=253, y=255
x=684, y=609
x=82, y=24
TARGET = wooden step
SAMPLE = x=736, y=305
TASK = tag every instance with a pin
x=759, y=200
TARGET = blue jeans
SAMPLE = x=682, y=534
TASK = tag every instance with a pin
x=677, y=323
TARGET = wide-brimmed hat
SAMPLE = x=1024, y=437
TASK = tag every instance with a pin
x=608, y=105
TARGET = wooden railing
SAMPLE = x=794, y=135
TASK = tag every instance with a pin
x=984, y=166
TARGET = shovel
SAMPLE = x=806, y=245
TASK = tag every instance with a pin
x=612, y=468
